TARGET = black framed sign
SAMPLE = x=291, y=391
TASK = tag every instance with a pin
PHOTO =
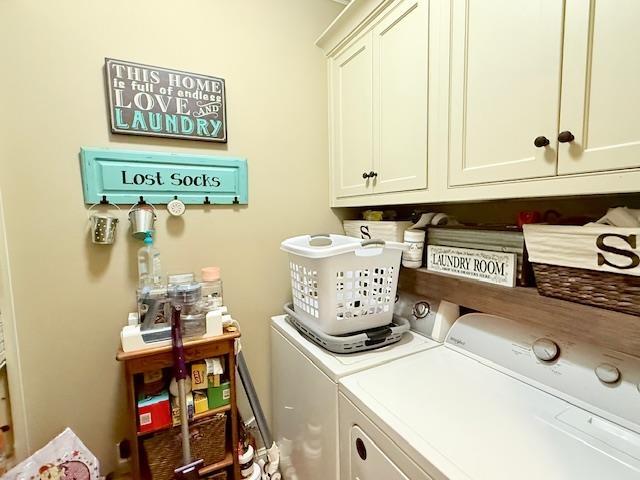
x=161, y=102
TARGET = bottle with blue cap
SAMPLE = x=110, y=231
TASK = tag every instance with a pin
x=149, y=269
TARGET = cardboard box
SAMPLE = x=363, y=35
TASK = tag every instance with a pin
x=213, y=380
x=154, y=412
x=175, y=409
x=200, y=402
x=198, y=376
x=219, y=396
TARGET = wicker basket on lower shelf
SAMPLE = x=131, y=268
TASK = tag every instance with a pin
x=600, y=289
x=208, y=442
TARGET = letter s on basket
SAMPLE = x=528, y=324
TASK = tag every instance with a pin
x=629, y=239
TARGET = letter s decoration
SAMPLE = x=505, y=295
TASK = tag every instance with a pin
x=632, y=256
x=364, y=231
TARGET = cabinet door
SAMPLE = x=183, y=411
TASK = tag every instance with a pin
x=600, y=94
x=400, y=70
x=352, y=75
x=505, y=84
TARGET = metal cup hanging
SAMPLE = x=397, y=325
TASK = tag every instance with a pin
x=142, y=217
x=103, y=226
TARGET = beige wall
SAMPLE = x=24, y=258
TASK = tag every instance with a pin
x=72, y=297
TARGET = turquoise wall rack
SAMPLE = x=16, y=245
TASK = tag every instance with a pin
x=128, y=176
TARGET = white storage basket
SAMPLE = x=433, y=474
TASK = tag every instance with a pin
x=390, y=231
x=341, y=284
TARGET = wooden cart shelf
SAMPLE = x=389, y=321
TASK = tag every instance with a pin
x=227, y=461
x=611, y=329
x=196, y=417
x=138, y=362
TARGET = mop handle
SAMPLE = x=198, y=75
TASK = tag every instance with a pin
x=179, y=364
x=180, y=373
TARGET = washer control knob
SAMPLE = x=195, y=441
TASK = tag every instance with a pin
x=607, y=373
x=545, y=349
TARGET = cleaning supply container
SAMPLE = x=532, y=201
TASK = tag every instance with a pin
x=103, y=226
x=142, y=217
x=211, y=288
x=188, y=296
x=342, y=284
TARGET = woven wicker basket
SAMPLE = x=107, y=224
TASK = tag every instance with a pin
x=594, y=265
x=600, y=289
x=164, y=451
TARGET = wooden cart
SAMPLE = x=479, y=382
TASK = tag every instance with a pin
x=138, y=362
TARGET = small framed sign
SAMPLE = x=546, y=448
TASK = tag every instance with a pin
x=161, y=102
x=491, y=267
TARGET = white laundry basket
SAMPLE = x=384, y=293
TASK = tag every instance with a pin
x=342, y=284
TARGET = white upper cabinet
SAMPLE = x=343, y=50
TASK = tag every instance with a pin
x=352, y=125
x=601, y=87
x=379, y=104
x=400, y=51
x=466, y=100
x=504, y=89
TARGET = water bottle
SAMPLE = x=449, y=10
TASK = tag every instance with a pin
x=149, y=270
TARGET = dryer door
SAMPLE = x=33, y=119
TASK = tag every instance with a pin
x=367, y=453
x=368, y=462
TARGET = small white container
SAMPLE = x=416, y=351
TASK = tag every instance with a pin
x=211, y=288
x=247, y=467
x=256, y=474
x=414, y=242
x=341, y=284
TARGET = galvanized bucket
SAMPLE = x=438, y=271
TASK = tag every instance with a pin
x=103, y=226
x=142, y=217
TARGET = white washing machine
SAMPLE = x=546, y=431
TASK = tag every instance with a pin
x=305, y=390
x=501, y=400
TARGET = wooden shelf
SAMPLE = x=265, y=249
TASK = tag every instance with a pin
x=136, y=363
x=611, y=329
x=124, y=356
x=197, y=416
x=227, y=461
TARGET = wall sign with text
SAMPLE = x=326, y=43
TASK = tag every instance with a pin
x=123, y=176
x=498, y=268
x=148, y=100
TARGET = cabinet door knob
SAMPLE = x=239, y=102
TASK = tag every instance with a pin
x=372, y=174
x=541, y=142
x=566, y=137
x=365, y=175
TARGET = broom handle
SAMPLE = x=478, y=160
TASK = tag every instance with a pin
x=180, y=373
x=184, y=423
x=254, y=401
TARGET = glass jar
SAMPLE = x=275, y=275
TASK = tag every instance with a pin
x=188, y=296
x=211, y=284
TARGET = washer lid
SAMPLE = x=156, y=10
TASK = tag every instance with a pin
x=470, y=421
x=336, y=366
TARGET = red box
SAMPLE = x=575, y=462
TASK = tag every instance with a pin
x=154, y=413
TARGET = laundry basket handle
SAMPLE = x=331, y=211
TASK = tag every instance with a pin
x=374, y=241
x=320, y=240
